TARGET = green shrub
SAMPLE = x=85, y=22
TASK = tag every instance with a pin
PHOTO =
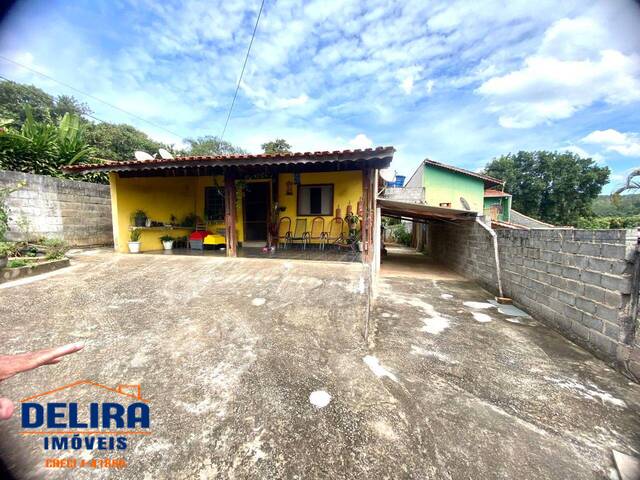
x=17, y=263
x=7, y=249
x=166, y=238
x=604, y=223
x=55, y=248
x=401, y=235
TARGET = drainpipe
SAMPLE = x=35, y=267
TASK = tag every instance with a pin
x=494, y=237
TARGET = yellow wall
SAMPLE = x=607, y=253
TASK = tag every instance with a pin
x=347, y=188
x=160, y=197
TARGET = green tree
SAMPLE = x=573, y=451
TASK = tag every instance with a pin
x=118, y=141
x=555, y=187
x=14, y=97
x=66, y=104
x=211, y=145
x=279, y=145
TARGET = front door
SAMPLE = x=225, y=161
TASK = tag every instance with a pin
x=256, y=211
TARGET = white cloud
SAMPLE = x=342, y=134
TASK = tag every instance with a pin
x=430, y=85
x=547, y=88
x=361, y=141
x=407, y=84
x=627, y=144
x=578, y=63
x=597, y=157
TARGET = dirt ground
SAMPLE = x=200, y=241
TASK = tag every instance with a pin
x=229, y=351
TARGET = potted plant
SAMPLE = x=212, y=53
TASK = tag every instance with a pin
x=139, y=218
x=134, y=237
x=167, y=242
x=6, y=249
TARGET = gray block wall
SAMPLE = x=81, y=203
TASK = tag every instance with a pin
x=580, y=282
x=78, y=212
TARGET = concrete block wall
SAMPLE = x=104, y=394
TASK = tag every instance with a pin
x=78, y=212
x=580, y=282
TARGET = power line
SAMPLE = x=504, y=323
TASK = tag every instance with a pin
x=255, y=28
x=91, y=96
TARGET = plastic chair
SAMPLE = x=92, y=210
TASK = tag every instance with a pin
x=300, y=234
x=284, y=230
x=335, y=232
x=317, y=231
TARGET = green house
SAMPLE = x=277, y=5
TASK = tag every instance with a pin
x=453, y=187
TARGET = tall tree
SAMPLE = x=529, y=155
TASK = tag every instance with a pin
x=14, y=97
x=556, y=187
x=279, y=145
x=211, y=145
x=118, y=141
x=67, y=104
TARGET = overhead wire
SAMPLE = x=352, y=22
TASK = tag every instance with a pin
x=244, y=65
x=97, y=99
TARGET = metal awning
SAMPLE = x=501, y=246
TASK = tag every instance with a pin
x=421, y=212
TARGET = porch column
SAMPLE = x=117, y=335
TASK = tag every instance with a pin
x=230, y=212
x=365, y=229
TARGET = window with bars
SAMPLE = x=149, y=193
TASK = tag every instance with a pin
x=214, y=203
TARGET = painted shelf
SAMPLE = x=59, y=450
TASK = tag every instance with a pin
x=131, y=227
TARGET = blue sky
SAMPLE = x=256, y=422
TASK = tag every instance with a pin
x=457, y=81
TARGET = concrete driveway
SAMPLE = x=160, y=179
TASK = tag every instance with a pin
x=229, y=351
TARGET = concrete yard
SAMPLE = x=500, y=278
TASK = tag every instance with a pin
x=228, y=352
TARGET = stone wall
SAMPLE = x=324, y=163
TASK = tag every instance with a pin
x=580, y=282
x=78, y=212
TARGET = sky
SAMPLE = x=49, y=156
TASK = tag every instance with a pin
x=459, y=82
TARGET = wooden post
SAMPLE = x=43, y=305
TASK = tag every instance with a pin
x=365, y=228
x=230, y=212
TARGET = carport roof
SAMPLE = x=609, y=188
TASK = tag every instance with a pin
x=488, y=181
x=379, y=157
x=418, y=211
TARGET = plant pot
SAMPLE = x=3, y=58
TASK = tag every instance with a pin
x=168, y=245
x=134, y=247
x=139, y=221
x=3, y=261
x=359, y=246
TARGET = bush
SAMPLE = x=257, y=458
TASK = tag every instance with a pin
x=17, y=263
x=54, y=248
x=604, y=223
x=401, y=235
x=7, y=249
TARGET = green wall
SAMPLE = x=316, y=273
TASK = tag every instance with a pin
x=446, y=186
x=506, y=206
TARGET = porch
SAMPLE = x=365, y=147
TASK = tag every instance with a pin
x=325, y=200
x=309, y=254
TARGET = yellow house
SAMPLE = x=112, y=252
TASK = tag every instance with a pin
x=245, y=200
